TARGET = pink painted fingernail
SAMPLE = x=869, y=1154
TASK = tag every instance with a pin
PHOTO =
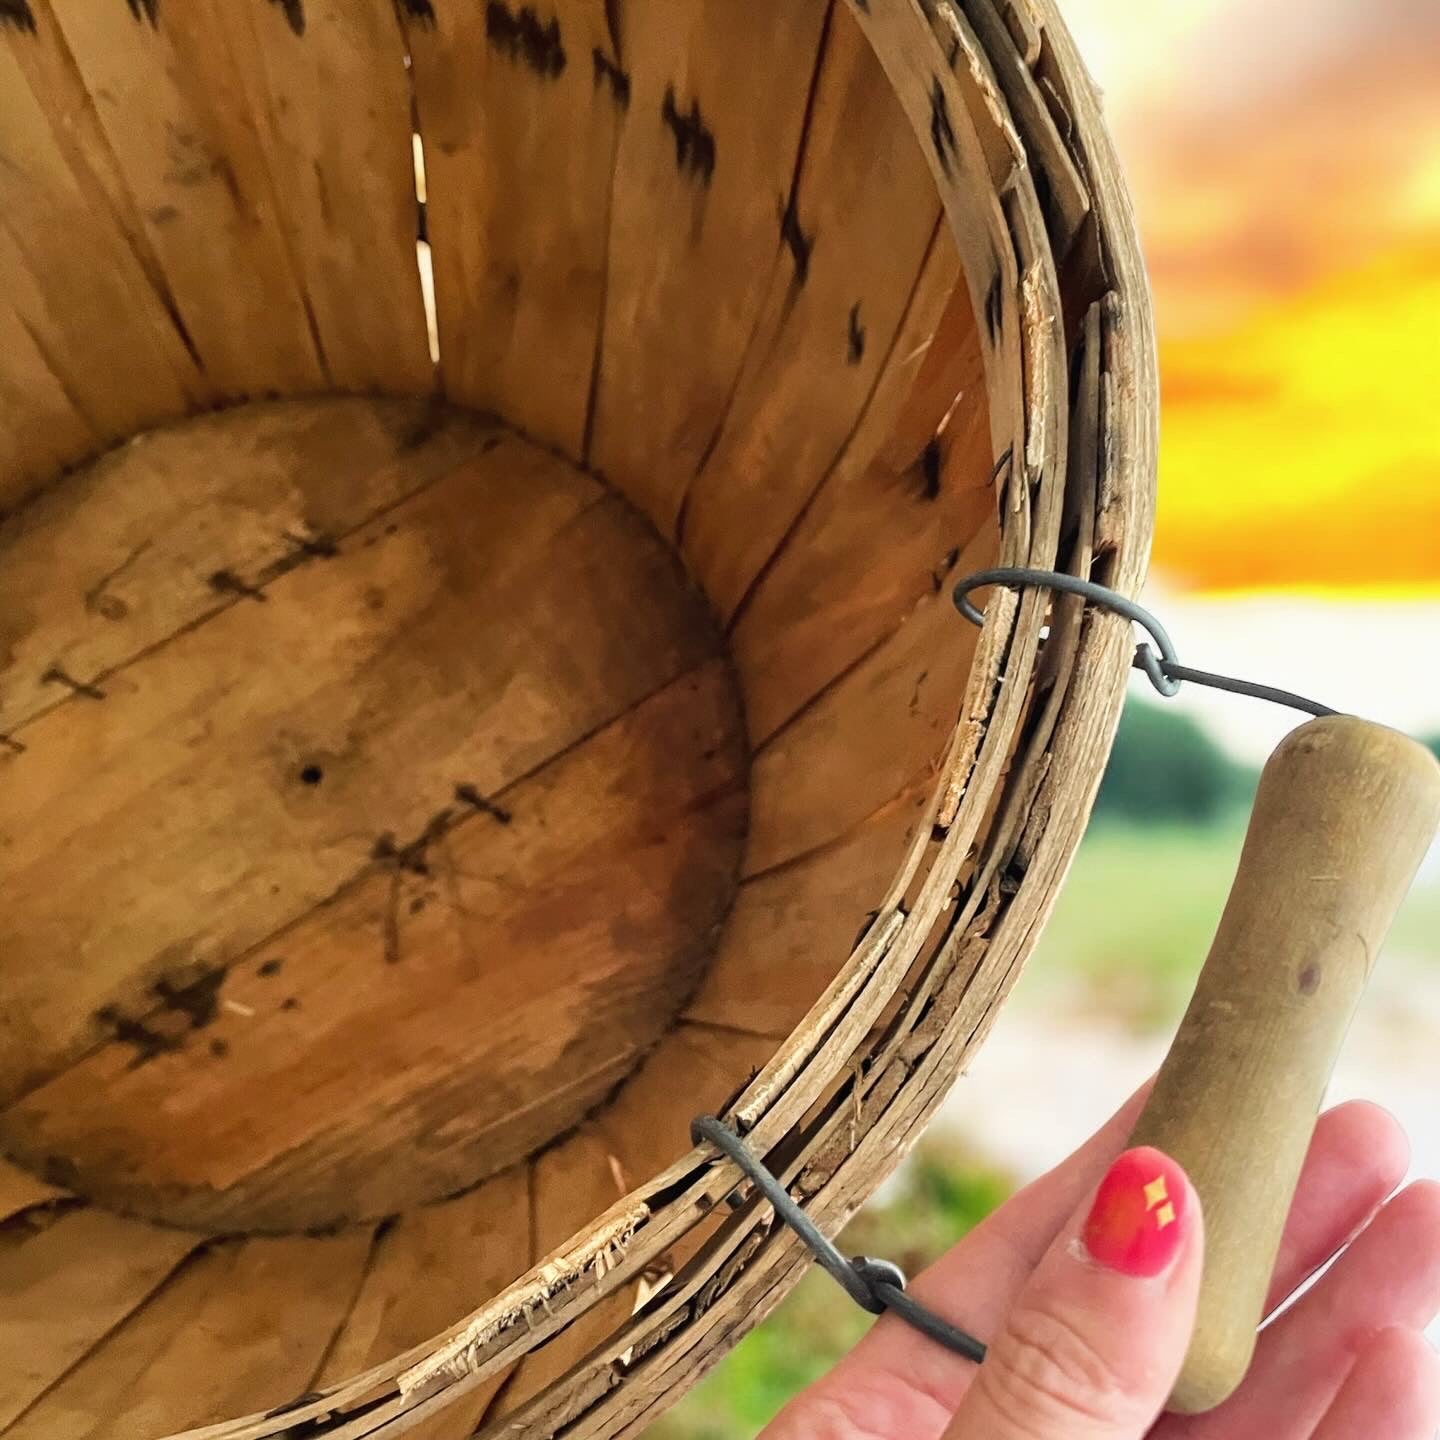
x=1141, y=1215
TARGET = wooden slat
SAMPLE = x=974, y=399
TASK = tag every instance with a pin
x=716, y=115
x=519, y=153
x=240, y=493
x=792, y=929
x=256, y=1340
x=693, y=1071
x=573, y=1183
x=171, y=111
x=78, y=291
x=426, y=1029
x=330, y=102
x=1063, y=197
x=434, y=1265
x=64, y=1290
x=468, y=636
x=891, y=521
x=862, y=218
x=863, y=739
x=41, y=428
x=85, y=1402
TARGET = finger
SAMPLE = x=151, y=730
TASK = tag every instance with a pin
x=1357, y=1158
x=1389, y=1277
x=1393, y=1390
x=1092, y=1345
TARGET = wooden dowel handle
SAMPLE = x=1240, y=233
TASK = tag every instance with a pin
x=1345, y=813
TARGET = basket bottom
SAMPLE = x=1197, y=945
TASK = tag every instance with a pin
x=375, y=788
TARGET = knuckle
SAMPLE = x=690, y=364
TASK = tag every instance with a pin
x=1050, y=1373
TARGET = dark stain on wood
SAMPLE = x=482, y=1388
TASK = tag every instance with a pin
x=391, y=923
x=420, y=428
x=198, y=1000
x=796, y=241
x=17, y=15
x=469, y=795
x=219, y=1048
x=519, y=35
x=227, y=582
x=942, y=130
x=413, y=857
x=946, y=565
x=145, y=10
x=183, y=1009
x=147, y=1043
x=270, y=967
x=290, y=1002
x=421, y=10
x=855, y=337
x=60, y=1171
x=10, y=743
x=1003, y=466
x=98, y=600
x=609, y=73
x=1309, y=981
x=319, y=547
x=994, y=309
x=57, y=675
x=294, y=11
x=931, y=461
x=694, y=144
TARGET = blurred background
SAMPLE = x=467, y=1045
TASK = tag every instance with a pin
x=1285, y=165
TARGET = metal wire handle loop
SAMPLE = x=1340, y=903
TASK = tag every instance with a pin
x=1164, y=669
x=874, y=1285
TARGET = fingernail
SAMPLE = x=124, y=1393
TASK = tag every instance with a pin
x=1140, y=1216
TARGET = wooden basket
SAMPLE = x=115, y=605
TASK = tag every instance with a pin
x=426, y=784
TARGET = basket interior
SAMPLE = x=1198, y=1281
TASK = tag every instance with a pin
x=458, y=704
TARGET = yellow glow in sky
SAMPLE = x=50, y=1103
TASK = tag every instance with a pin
x=1302, y=446
x=1286, y=168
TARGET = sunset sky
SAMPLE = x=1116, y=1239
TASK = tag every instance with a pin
x=1285, y=161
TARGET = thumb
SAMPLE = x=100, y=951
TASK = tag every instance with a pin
x=1092, y=1346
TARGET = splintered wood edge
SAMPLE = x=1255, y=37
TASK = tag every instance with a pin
x=850, y=1089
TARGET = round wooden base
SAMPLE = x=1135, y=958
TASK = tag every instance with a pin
x=375, y=786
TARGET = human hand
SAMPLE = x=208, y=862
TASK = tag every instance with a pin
x=1083, y=1349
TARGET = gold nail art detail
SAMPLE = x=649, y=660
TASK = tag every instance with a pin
x=1156, y=1193
x=1164, y=1216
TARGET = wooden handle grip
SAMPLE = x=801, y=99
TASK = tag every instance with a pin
x=1344, y=815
